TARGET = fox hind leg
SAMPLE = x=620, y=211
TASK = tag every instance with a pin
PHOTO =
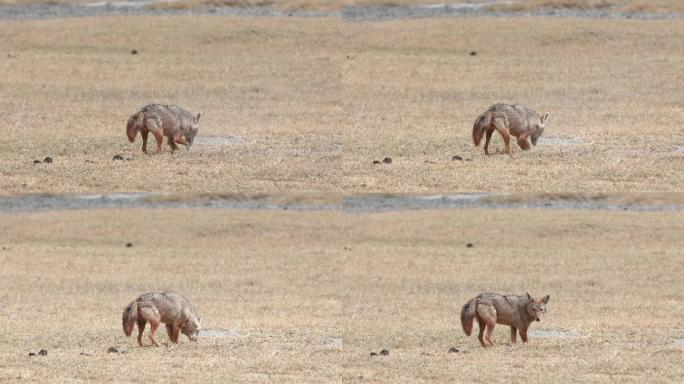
x=480, y=335
x=503, y=130
x=153, y=329
x=490, y=330
x=151, y=314
x=487, y=139
x=141, y=328
x=144, y=135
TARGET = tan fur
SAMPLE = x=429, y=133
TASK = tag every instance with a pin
x=509, y=120
x=170, y=308
x=173, y=122
x=516, y=311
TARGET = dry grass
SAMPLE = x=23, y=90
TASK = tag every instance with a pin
x=310, y=103
x=610, y=87
x=290, y=284
x=269, y=83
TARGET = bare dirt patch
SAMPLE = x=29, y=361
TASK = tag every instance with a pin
x=554, y=334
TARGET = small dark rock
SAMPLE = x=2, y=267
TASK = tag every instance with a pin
x=387, y=160
x=345, y=248
x=454, y=350
x=47, y=160
x=37, y=161
x=112, y=350
x=456, y=157
x=117, y=157
x=89, y=161
x=32, y=354
x=376, y=162
x=469, y=245
x=134, y=52
x=373, y=354
x=42, y=352
x=129, y=158
x=128, y=245
x=384, y=352
x=473, y=53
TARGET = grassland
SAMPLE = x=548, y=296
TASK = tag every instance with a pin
x=308, y=104
x=288, y=286
x=314, y=101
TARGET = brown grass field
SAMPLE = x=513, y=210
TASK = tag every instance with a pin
x=300, y=108
x=308, y=104
x=305, y=297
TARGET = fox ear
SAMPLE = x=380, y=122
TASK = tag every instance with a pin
x=199, y=116
x=546, y=116
x=545, y=299
x=529, y=296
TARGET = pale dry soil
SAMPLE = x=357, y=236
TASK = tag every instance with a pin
x=305, y=297
x=307, y=104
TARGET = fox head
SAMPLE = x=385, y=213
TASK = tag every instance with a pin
x=539, y=128
x=536, y=308
x=191, y=327
x=190, y=136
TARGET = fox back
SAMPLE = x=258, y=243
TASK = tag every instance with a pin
x=520, y=120
x=515, y=309
x=172, y=307
x=174, y=120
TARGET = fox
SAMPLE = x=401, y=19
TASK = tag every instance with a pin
x=169, y=308
x=177, y=124
x=516, y=311
x=509, y=120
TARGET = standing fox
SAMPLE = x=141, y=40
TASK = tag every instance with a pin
x=177, y=124
x=515, y=120
x=160, y=307
x=512, y=310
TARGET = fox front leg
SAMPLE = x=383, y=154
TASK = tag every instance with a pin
x=169, y=331
x=172, y=143
x=523, y=143
x=513, y=331
x=153, y=329
x=505, y=133
x=523, y=334
x=180, y=139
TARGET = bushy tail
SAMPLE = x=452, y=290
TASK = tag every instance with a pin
x=480, y=127
x=130, y=316
x=467, y=316
x=134, y=124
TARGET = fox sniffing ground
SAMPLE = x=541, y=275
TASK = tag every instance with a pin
x=509, y=120
x=516, y=311
x=177, y=124
x=171, y=309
